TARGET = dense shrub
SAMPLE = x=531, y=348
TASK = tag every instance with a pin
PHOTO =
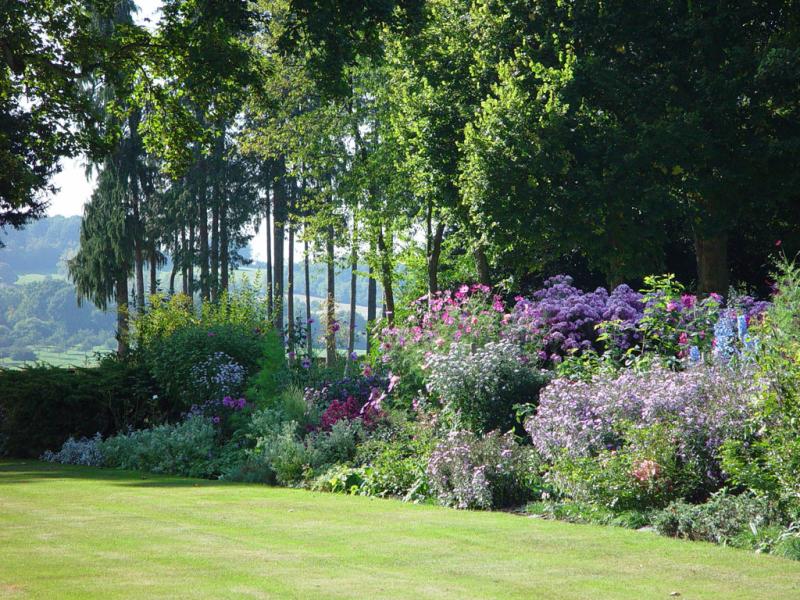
x=648, y=471
x=642, y=438
x=41, y=406
x=395, y=460
x=172, y=359
x=178, y=345
x=479, y=388
x=744, y=520
x=189, y=448
x=492, y=471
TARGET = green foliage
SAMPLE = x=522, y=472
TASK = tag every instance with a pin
x=583, y=512
x=746, y=520
x=395, y=458
x=173, y=338
x=768, y=459
x=265, y=385
x=647, y=472
x=51, y=47
x=188, y=448
x=479, y=388
x=779, y=356
x=41, y=406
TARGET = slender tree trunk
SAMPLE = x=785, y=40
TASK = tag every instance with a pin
x=216, y=208
x=372, y=305
x=184, y=268
x=270, y=287
x=385, y=250
x=482, y=266
x=121, y=294
x=138, y=251
x=712, y=263
x=215, y=248
x=202, y=205
x=279, y=220
x=139, y=266
x=153, y=271
x=351, y=326
x=309, y=339
x=174, y=271
x=190, y=263
x=290, y=290
x=224, y=246
x=434, y=253
x=330, y=333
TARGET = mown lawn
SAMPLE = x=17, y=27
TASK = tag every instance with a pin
x=72, y=532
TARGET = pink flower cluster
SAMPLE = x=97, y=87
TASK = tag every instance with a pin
x=350, y=409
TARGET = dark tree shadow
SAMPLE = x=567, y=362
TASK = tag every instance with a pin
x=32, y=471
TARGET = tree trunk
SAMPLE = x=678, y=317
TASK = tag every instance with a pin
x=330, y=333
x=385, y=250
x=122, y=314
x=482, y=266
x=153, y=271
x=190, y=263
x=214, y=282
x=174, y=271
x=268, y=211
x=306, y=266
x=290, y=291
x=216, y=208
x=435, y=252
x=712, y=263
x=351, y=326
x=372, y=305
x=138, y=252
x=279, y=221
x=224, y=243
x=202, y=221
x=184, y=269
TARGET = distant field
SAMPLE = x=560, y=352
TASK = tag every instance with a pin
x=69, y=358
x=34, y=277
x=77, y=357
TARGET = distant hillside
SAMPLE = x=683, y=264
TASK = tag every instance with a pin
x=41, y=247
x=40, y=318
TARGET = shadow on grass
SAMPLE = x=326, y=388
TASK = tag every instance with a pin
x=32, y=471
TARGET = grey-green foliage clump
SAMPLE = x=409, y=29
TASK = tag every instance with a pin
x=80, y=451
x=187, y=448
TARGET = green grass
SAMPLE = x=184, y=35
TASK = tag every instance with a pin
x=71, y=532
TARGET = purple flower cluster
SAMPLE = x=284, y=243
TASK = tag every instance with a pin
x=702, y=406
x=234, y=404
x=565, y=319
